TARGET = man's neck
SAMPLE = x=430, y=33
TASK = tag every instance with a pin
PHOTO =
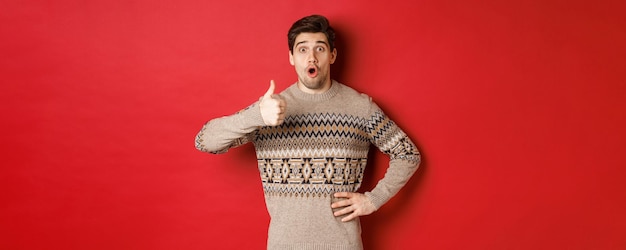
x=321, y=90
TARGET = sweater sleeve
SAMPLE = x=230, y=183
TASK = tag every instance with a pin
x=220, y=134
x=404, y=156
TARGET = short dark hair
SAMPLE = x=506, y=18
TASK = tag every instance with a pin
x=311, y=24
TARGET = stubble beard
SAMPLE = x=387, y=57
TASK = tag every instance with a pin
x=314, y=83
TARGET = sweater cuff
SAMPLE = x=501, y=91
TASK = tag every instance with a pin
x=251, y=116
x=376, y=201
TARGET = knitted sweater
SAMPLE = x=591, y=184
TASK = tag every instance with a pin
x=321, y=148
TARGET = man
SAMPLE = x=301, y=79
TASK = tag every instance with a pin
x=311, y=142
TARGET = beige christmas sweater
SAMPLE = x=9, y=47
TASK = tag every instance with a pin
x=321, y=148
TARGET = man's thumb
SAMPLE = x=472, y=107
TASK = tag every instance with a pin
x=270, y=91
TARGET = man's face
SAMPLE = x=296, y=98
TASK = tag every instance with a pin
x=312, y=58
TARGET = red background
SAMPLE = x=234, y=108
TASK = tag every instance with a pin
x=517, y=106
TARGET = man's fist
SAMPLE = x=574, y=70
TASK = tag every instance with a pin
x=272, y=107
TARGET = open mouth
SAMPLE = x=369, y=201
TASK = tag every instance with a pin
x=312, y=71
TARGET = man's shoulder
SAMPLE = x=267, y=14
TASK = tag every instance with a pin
x=350, y=92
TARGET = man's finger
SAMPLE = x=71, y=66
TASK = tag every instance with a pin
x=345, y=210
x=343, y=195
x=342, y=203
x=270, y=91
x=281, y=102
x=349, y=217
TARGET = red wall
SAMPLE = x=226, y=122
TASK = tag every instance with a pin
x=518, y=108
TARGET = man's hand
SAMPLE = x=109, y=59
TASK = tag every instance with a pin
x=355, y=205
x=272, y=107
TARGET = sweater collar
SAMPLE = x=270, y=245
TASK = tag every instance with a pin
x=330, y=93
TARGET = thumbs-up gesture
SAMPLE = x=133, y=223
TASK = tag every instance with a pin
x=272, y=107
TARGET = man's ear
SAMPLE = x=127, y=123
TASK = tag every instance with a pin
x=333, y=56
x=291, y=58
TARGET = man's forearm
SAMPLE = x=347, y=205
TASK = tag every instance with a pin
x=221, y=134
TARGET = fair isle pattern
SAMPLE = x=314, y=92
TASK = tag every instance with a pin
x=311, y=177
x=200, y=142
x=314, y=135
x=388, y=137
x=312, y=155
x=315, y=155
x=316, y=125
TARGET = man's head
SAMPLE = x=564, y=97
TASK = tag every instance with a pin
x=311, y=52
x=311, y=24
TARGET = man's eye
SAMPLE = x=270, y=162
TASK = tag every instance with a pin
x=302, y=49
x=320, y=49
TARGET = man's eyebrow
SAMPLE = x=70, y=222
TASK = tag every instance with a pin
x=320, y=41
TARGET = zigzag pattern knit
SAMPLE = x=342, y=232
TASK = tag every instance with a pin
x=321, y=148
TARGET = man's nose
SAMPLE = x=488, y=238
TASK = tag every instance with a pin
x=311, y=58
